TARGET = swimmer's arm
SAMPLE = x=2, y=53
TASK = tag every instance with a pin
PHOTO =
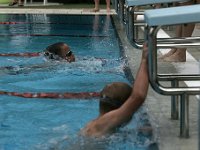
x=138, y=95
x=118, y=117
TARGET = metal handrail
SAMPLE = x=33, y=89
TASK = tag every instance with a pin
x=154, y=77
x=174, y=90
x=121, y=9
x=132, y=24
x=171, y=77
x=169, y=43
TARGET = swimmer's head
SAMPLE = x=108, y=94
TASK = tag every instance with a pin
x=113, y=96
x=59, y=51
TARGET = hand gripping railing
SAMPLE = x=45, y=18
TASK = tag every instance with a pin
x=131, y=21
x=172, y=16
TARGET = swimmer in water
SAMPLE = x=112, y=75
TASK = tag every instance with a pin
x=118, y=102
x=59, y=51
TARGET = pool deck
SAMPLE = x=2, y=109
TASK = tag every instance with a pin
x=52, y=8
x=158, y=106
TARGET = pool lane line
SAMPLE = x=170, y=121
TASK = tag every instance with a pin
x=65, y=23
x=34, y=54
x=65, y=35
x=66, y=95
x=11, y=23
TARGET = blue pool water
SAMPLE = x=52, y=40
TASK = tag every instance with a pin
x=28, y=123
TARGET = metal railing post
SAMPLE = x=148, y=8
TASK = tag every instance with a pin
x=199, y=124
x=129, y=23
x=45, y=2
x=184, y=116
x=199, y=117
x=174, y=102
x=116, y=5
x=121, y=10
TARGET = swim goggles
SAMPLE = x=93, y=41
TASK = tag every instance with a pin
x=51, y=55
x=110, y=101
x=69, y=53
x=56, y=57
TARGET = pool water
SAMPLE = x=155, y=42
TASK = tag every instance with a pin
x=47, y=123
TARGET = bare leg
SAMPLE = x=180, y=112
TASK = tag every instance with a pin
x=20, y=3
x=180, y=54
x=96, y=6
x=178, y=32
x=172, y=51
x=108, y=5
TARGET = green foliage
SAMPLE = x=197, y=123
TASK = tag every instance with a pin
x=4, y=1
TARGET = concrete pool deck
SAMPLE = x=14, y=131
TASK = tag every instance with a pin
x=158, y=106
x=52, y=8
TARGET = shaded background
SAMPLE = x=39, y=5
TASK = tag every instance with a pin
x=73, y=1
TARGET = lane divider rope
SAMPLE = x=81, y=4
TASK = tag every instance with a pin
x=34, y=54
x=12, y=22
x=67, y=95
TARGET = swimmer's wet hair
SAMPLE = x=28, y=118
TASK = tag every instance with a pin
x=55, y=48
x=55, y=51
x=114, y=95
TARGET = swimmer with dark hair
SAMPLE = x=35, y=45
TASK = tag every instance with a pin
x=113, y=96
x=56, y=51
x=59, y=51
x=119, y=102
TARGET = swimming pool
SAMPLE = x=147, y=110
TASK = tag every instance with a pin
x=53, y=123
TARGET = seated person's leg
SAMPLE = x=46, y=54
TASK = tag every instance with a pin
x=96, y=6
x=179, y=55
x=20, y=3
x=108, y=5
x=172, y=51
